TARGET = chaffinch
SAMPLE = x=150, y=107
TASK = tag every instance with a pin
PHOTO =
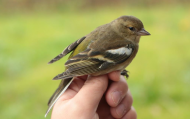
x=108, y=48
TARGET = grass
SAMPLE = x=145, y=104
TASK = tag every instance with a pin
x=159, y=75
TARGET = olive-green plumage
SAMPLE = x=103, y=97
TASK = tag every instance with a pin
x=108, y=48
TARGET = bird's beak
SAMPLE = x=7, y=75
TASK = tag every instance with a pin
x=143, y=32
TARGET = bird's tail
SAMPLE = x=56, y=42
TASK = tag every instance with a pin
x=57, y=94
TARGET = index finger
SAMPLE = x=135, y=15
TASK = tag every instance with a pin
x=114, y=76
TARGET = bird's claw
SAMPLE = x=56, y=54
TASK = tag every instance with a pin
x=124, y=73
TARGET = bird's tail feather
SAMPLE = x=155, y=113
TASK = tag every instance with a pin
x=57, y=94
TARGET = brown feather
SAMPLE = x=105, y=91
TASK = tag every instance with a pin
x=67, y=50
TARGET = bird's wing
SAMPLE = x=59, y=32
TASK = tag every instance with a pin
x=67, y=50
x=91, y=61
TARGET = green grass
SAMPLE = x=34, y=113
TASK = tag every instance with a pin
x=159, y=75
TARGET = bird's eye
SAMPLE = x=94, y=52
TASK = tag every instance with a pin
x=132, y=28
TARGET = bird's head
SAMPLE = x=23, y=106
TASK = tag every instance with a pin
x=129, y=27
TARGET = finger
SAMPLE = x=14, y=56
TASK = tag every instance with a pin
x=91, y=93
x=114, y=76
x=131, y=114
x=116, y=92
x=77, y=84
x=74, y=87
x=96, y=116
x=123, y=107
x=83, y=77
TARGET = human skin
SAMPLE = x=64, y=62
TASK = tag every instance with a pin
x=97, y=97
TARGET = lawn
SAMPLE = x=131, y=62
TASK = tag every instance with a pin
x=159, y=75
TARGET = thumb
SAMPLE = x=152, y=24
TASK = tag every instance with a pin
x=91, y=93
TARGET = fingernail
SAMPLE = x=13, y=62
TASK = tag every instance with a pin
x=121, y=110
x=116, y=97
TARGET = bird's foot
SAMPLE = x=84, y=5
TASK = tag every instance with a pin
x=124, y=73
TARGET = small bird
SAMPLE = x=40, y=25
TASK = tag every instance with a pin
x=108, y=48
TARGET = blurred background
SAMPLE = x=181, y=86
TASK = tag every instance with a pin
x=32, y=32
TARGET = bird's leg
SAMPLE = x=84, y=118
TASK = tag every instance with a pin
x=124, y=73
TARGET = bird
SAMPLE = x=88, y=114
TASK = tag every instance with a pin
x=108, y=48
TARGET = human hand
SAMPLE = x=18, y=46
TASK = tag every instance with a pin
x=93, y=98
